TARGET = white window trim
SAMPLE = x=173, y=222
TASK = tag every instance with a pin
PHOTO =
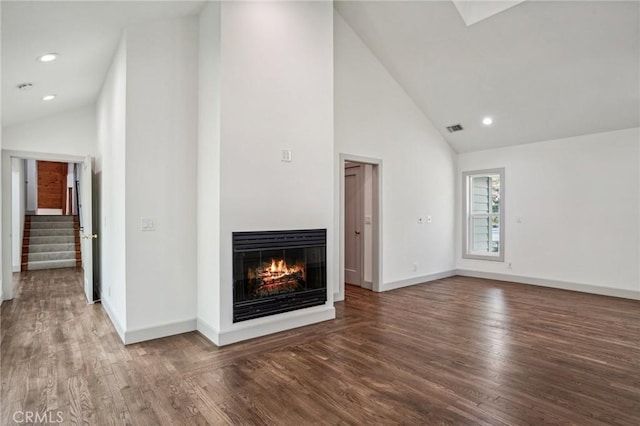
x=466, y=217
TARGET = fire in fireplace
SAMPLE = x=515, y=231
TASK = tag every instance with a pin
x=278, y=271
x=276, y=277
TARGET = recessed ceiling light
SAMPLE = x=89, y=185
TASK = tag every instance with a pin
x=487, y=121
x=48, y=57
x=49, y=97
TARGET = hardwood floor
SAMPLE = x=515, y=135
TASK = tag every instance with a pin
x=454, y=351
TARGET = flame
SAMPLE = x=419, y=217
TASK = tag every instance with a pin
x=279, y=268
x=275, y=276
x=276, y=270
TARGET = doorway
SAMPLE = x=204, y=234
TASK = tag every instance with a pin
x=360, y=223
x=11, y=212
x=45, y=215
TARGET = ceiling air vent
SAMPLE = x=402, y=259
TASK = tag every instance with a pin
x=454, y=128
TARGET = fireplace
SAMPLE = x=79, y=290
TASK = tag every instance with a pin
x=278, y=271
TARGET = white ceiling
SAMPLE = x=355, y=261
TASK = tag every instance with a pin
x=85, y=34
x=542, y=70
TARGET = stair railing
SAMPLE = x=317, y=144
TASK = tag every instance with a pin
x=78, y=205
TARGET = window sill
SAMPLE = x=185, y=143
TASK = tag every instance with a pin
x=496, y=258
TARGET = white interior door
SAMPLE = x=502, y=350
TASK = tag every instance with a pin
x=86, y=232
x=353, y=223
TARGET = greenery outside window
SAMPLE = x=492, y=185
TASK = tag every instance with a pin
x=483, y=208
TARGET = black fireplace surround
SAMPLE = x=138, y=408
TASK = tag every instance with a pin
x=278, y=271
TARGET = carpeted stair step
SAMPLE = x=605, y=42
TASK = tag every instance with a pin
x=51, y=242
x=54, y=247
x=48, y=218
x=52, y=264
x=51, y=232
x=64, y=239
x=51, y=225
x=52, y=255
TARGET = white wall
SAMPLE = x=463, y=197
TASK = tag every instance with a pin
x=161, y=134
x=375, y=118
x=276, y=93
x=70, y=132
x=110, y=164
x=578, y=203
x=18, y=207
x=208, y=295
x=32, y=185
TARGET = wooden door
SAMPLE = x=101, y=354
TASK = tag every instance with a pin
x=353, y=223
x=52, y=185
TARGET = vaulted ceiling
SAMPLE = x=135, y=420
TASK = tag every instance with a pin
x=541, y=70
x=85, y=33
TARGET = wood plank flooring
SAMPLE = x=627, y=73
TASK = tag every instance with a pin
x=454, y=351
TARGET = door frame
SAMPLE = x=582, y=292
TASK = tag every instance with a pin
x=376, y=219
x=7, y=206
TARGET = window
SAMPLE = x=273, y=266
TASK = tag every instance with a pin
x=483, y=228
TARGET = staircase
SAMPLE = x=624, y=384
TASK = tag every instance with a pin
x=50, y=242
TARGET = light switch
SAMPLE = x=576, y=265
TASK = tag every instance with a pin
x=146, y=224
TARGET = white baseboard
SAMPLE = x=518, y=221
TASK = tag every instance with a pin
x=368, y=285
x=268, y=325
x=159, y=331
x=542, y=282
x=147, y=333
x=417, y=280
x=208, y=331
x=116, y=324
x=17, y=268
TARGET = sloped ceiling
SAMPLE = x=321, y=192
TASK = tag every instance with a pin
x=85, y=33
x=541, y=70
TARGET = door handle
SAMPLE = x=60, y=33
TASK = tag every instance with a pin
x=357, y=232
x=86, y=237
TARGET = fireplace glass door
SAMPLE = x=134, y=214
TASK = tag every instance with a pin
x=278, y=274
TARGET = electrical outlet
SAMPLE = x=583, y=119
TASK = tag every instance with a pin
x=509, y=265
x=415, y=267
x=286, y=155
x=109, y=291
